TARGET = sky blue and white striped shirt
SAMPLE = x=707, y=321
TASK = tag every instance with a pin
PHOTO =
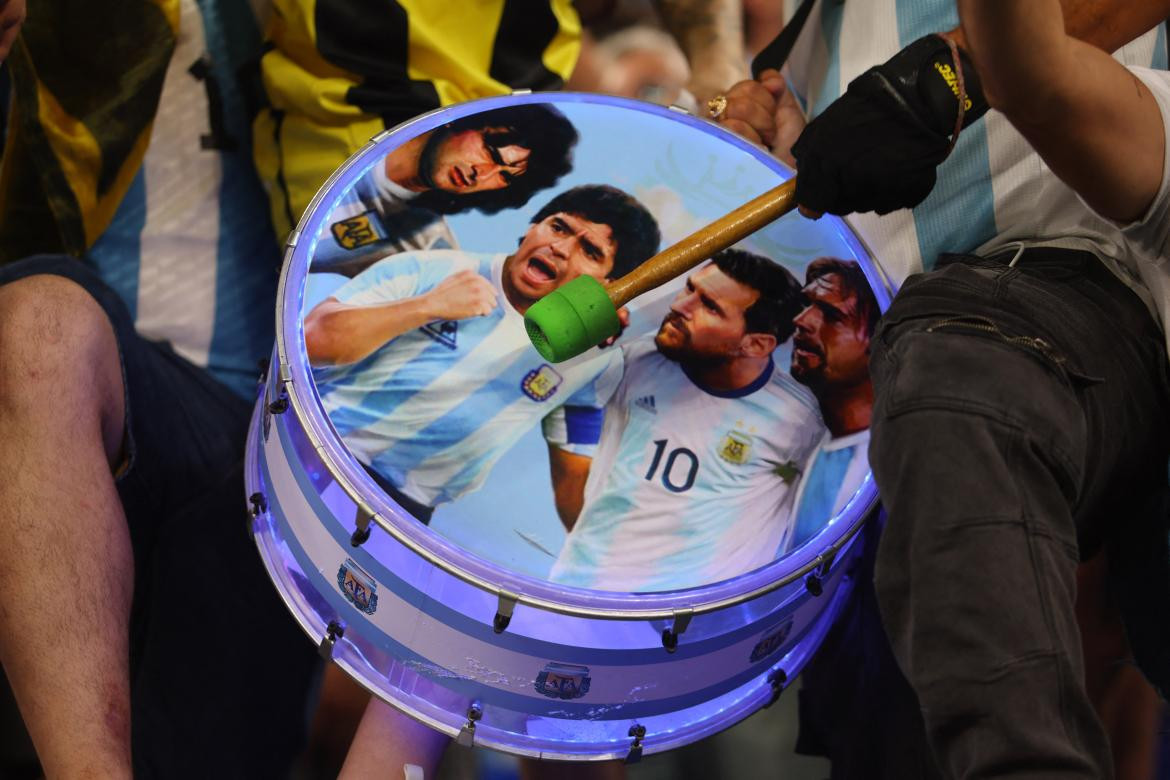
x=993, y=189
x=435, y=408
x=191, y=249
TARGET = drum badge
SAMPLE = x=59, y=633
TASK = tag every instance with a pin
x=541, y=384
x=358, y=587
x=771, y=642
x=563, y=681
x=355, y=232
x=736, y=447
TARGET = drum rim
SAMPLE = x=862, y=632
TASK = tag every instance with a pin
x=510, y=585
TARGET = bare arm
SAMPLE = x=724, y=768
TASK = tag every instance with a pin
x=1094, y=123
x=337, y=333
x=12, y=15
x=710, y=33
x=569, y=473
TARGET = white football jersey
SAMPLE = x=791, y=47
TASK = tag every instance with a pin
x=689, y=485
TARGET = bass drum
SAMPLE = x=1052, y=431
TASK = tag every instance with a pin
x=616, y=555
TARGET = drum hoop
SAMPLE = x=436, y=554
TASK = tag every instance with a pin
x=669, y=604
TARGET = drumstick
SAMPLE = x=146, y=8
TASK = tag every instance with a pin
x=583, y=313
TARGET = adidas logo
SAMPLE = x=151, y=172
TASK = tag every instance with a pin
x=646, y=402
x=443, y=331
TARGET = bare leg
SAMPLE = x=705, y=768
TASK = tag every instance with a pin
x=386, y=741
x=66, y=567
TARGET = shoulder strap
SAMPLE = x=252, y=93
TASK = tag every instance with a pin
x=775, y=54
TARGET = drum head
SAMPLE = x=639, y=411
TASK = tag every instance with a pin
x=693, y=450
x=685, y=494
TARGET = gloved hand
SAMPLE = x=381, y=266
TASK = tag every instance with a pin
x=877, y=146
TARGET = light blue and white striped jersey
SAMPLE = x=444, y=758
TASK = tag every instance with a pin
x=831, y=477
x=993, y=189
x=689, y=486
x=374, y=219
x=435, y=408
x=191, y=249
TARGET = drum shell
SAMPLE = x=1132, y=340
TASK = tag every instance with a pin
x=573, y=671
x=424, y=639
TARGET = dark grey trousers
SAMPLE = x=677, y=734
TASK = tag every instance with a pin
x=1020, y=424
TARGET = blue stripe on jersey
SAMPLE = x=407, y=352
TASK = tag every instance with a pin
x=1159, y=60
x=583, y=424
x=917, y=18
x=409, y=380
x=959, y=213
x=831, y=16
x=822, y=484
x=415, y=375
x=466, y=417
x=117, y=254
x=247, y=252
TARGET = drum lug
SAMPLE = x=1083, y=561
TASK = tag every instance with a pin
x=334, y=631
x=280, y=404
x=291, y=241
x=682, y=619
x=815, y=581
x=638, y=732
x=362, y=533
x=675, y=107
x=778, y=678
x=258, y=503
x=504, y=610
x=466, y=736
x=521, y=92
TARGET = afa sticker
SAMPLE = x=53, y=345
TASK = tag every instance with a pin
x=358, y=587
x=772, y=641
x=563, y=681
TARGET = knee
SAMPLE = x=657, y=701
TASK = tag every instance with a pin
x=55, y=338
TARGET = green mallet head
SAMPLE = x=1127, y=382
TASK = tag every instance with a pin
x=570, y=320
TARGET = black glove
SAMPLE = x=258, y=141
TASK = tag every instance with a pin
x=876, y=147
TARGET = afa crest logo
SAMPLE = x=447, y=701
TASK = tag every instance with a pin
x=563, y=681
x=358, y=587
x=771, y=642
x=541, y=384
x=736, y=448
x=355, y=232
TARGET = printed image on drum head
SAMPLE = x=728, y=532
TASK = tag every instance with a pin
x=723, y=429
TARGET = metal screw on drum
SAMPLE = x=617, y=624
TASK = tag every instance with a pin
x=777, y=679
x=814, y=584
x=638, y=732
x=507, y=605
x=334, y=631
x=280, y=405
x=362, y=534
x=682, y=619
x=466, y=736
x=259, y=503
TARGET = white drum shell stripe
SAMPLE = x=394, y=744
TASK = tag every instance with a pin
x=685, y=681
x=394, y=575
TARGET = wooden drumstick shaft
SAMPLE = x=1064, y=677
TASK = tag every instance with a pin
x=704, y=243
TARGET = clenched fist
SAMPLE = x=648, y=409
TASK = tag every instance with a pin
x=460, y=296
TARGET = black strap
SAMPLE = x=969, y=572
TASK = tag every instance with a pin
x=775, y=54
